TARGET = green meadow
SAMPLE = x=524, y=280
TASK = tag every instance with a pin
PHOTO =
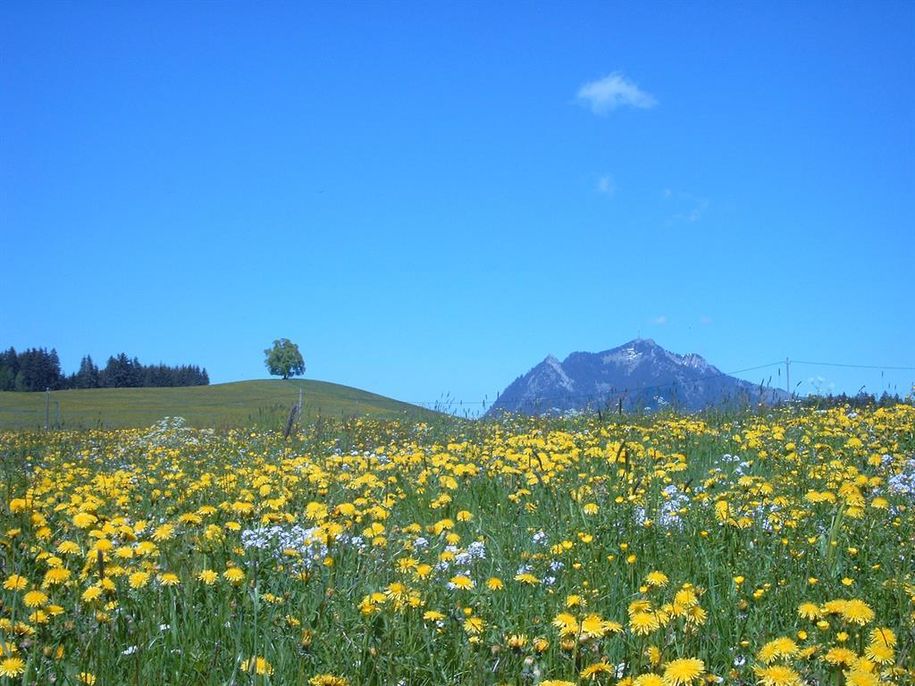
x=262, y=404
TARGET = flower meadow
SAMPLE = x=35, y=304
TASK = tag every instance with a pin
x=772, y=549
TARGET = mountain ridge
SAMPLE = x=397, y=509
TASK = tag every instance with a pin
x=640, y=373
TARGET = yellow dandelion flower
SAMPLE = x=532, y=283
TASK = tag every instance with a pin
x=208, y=576
x=857, y=612
x=566, y=623
x=163, y=533
x=146, y=548
x=169, y=579
x=12, y=667
x=83, y=520
x=574, y=601
x=656, y=579
x=833, y=607
x=858, y=677
x=643, y=623
x=595, y=670
x=258, y=665
x=474, y=625
x=35, y=599
x=683, y=671
x=234, y=575
x=494, y=584
x=15, y=582
x=880, y=653
x=593, y=626
x=138, y=580
x=461, y=582
x=648, y=680
x=840, y=656
x=405, y=564
x=696, y=616
x=92, y=593
x=778, y=675
x=19, y=505
x=327, y=680
x=782, y=647
x=516, y=641
x=683, y=600
x=809, y=611
x=883, y=636
x=640, y=605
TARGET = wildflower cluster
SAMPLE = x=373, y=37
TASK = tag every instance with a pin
x=667, y=551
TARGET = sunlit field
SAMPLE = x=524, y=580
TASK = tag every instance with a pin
x=774, y=549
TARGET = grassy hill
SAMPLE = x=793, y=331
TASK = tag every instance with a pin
x=263, y=404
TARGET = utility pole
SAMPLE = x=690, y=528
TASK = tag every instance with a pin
x=47, y=409
x=788, y=376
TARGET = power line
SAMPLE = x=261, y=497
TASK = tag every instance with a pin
x=750, y=369
x=854, y=366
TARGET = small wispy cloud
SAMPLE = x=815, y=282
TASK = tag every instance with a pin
x=821, y=385
x=606, y=185
x=660, y=320
x=705, y=320
x=613, y=91
x=690, y=208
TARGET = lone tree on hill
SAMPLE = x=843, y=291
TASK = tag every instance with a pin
x=284, y=359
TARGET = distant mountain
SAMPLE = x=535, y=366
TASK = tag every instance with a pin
x=640, y=373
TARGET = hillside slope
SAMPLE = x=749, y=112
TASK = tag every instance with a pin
x=242, y=403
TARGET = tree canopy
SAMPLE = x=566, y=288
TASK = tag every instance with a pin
x=37, y=369
x=284, y=359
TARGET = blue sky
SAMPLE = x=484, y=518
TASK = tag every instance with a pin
x=431, y=197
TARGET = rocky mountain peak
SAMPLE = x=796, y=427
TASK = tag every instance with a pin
x=640, y=373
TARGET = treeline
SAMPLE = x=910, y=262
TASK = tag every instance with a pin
x=859, y=401
x=38, y=369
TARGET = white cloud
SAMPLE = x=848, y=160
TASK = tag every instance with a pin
x=705, y=320
x=614, y=90
x=606, y=185
x=690, y=208
x=660, y=320
x=821, y=385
